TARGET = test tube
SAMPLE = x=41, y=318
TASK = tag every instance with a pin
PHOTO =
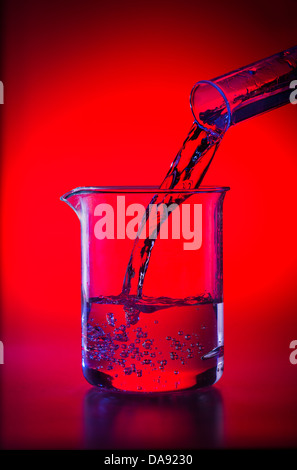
x=244, y=93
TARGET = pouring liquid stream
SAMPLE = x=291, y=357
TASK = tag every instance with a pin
x=226, y=100
x=186, y=172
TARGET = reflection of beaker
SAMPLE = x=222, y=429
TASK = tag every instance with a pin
x=171, y=338
x=247, y=92
x=188, y=420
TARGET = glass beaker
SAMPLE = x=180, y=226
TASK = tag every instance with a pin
x=171, y=337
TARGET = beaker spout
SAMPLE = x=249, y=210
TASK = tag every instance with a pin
x=244, y=93
x=73, y=199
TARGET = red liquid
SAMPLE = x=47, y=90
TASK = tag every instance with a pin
x=157, y=345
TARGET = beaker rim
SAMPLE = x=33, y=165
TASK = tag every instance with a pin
x=142, y=190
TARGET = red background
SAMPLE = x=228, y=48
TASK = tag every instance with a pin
x=97, y=93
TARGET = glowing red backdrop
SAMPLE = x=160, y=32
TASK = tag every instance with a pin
x=97, y=93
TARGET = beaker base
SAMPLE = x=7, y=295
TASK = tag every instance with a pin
x=204, y=379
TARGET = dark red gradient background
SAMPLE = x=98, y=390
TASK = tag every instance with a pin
x=97, y=93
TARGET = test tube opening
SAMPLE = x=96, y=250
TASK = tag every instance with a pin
x=210, y=107
x=244, y=93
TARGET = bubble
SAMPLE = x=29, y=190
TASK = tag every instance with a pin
x=94, y=332
x=120, y=334
x=147, y=344
x=132, y=315
x=110, y=318
x=121, y=337
x=162, y=364
x=140, y=334
x=173, y=356
x=146, y=361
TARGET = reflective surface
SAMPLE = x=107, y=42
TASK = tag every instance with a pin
x=170, y=421
x=45, y=406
